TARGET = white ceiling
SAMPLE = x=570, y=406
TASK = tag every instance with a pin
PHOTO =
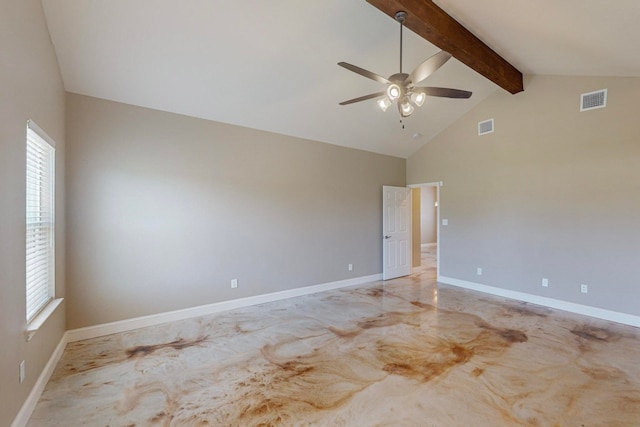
x=271, y=65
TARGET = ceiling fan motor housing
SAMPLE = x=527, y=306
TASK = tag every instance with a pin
x=398, y=78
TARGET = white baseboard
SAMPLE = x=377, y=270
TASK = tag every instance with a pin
x=29, y=405
x=585, y=310
x=427, y=245
x=156, y=319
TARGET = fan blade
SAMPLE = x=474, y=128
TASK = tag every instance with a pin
x=363, y=98
x=427, y=68
x=443, y=92
x=364, y=73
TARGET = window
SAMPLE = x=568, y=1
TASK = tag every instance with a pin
x=40, y=210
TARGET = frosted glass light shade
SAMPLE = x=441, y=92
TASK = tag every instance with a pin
x=384, y=103
x=418, y=99
x=394, y=91
x=406, y=109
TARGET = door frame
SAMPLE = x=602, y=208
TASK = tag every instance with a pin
x=437, y=185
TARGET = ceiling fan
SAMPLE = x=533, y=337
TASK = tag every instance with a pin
x=401, y=86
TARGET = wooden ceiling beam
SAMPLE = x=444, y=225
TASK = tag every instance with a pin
x=433, y=24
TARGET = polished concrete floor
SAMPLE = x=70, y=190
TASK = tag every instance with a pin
x=406, y=352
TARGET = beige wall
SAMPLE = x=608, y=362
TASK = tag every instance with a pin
x=30, y=88
x=552, y=193
x=164, y=210
x=428, y=214
x=415, y=227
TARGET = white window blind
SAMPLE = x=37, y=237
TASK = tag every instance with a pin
x=40, y=212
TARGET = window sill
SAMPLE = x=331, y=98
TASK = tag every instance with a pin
x=42, y=317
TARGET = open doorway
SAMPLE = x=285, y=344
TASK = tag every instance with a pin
x=425, y=229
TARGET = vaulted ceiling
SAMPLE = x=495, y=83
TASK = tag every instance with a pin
x=271, y=65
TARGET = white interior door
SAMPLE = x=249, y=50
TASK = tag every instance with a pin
x=396, y=232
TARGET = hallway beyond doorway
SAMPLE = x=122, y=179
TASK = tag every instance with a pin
x=429, y=262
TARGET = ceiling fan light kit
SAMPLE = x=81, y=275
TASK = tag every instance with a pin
x=401, y=86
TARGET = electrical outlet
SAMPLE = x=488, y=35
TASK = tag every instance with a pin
x=22, y=372
x=584, y=288
x=350, y=267
x=545, y=282
x=234, y=283
x=479, y=271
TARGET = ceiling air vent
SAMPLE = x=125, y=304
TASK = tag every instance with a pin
x=485, y=127
x=593, y=100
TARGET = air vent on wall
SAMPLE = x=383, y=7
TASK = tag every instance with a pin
x=593, y=100
x=485, y=127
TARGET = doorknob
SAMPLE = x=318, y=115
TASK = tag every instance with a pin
x=387, y=237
